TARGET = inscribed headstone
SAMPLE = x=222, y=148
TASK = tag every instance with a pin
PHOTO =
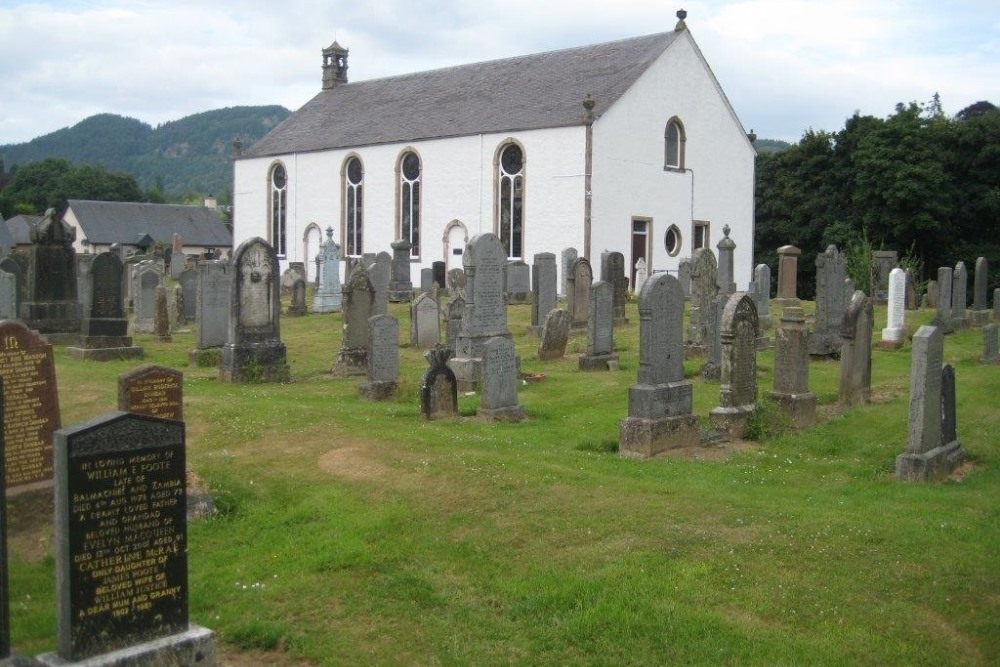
x=892, y=335
x=856, y=351
x=439, y=388
x=788, y=272
x=51, y=305
x=738, y=393
x=641, y=273
x=543, y=287
x=684, y=276
x=358, y=306
x=380, y=273
x=454, y=315
x=161, y=316
x=499, y=382
x=212, y=300
x=762, y=294
x=600, y=329
x=383, y=358
x=569, y=255
x=613, y=273
x=791, y=369
x=425, y=322
x=942, y=317
x=578, y=297
x=704, y=287
x=327, y=296
x=959, y=295
x=297, y=306
x=401, y=285
x=831, y=302
x=518, y=287
x=156, y=391
x=991, y=343
x=555, y=335
x=189, y=289
x=456, y=282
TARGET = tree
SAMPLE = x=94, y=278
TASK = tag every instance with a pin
x=50, y=183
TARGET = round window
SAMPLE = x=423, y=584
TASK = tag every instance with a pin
x=354, y=171
x=278, y=177
x=672, y=241
x=511, y=159
x=411, y=166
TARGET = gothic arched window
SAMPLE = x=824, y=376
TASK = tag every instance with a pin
x=674, y=139
x=510, y=199
x=277, y=230
x=409, y=200
x=353, y=207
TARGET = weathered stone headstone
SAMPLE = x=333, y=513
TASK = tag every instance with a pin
x=883, y=262
x=156, y=391
x=453, y=326
x=438, y=272
x=704, y=287
x=144, y=298
x=358, y=307
x=10, y=281
x=121, y=545
x=401, y=285
x=933, y=451
x=189, y=289
x=892, y=335
x=684, y=276
x=499, y=382
x=641, y=273
x=543, y=289
x=959, y=296
x=380, y=273
x=856, y=351
x=659, y=404
x=288, y=279
x=104, y=328
x=600, y=354
x=980, y=293
x=426, y=281
x=569, y=255
x=738, y=394
x=253, y=351
x=84, y=286
x=518, y=282
x=425, y=322
x=762, y=294
x=942, y=318
x=439, y=388
x=788, y=275
x=991, y=343
x=912, y=302
x=932, y=294
x=5, y=652
x=212, y=321
x=555, y=335
x=727, y=248
x=51, y=306
x=177, y=258
x=996, y=304
x=456, y=282
x=613, y=273
x=831, y=302
x=297, y=306
x=383, y=358
x=581, y=277
x=30, y=405
x=327, y=296
x=712, y=320
x=791, y=369
x=161, y=316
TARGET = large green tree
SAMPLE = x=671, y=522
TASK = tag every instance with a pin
x=50, y=183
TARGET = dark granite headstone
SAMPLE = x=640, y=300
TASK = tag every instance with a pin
x=51, y=305
x=156, y=391
x=189, y=288
x=613, y=273
x=438, y=271
x=104, y=329
x=543, y=289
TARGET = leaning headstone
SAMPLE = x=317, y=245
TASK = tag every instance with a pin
x=543, y=290
x=161, y=316
x=892, y=335
x=30, y=405
x=600, y=354
x=8, y=295
x=438, y=273
x=613, y=273
x=555, y=335
x=569, y=255
x=788, y=275
x=144, y=299
x=942, y=318
x=155, y=391
x=425, y=322
x=959, y=296
x=358, y=307
x=189, y=289
x=518, y=287
x=980, y=293
x=641, y=273
x=831, y=302
x=51, y=306
x=738, y=394
x=13, y=268
x=933, y=450
x=453, y=322
x=883, y=262
x=253, y=351
x=912, y=302
x=704, y=287
x=121, y=545
x=578, y=297
x=659, y=404
x=856, y=351
x=499, y=382
x=712, y=368
x=791, y=369
x=684, y=276
x=383, y=358
x=401, y=285
x=380, y=273
x=177, y=257
x=297, y=306
x=104, y=328
x=726, y=247
x=327, y=296
x=212, y=321
x=439, y=388
x=991, y=343
x=456, y=282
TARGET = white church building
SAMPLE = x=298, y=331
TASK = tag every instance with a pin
x=629, y=145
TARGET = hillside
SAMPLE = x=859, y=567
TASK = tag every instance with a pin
x=182, y=157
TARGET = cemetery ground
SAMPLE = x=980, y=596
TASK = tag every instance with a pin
x=355, y=532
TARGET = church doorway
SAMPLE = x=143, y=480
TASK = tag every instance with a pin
x=455, y=238
x=311, y=239
x=640, y=247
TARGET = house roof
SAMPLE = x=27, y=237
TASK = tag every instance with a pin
x=105, y=222
x=17, y=230
x=537, y=91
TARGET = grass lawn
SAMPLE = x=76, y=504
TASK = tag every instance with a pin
x=354, y=533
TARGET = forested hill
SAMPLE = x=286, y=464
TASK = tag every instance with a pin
x=190, y=156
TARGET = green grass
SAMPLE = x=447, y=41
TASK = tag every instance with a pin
x=357, y=533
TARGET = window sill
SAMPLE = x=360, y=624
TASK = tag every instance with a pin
x=678, y=170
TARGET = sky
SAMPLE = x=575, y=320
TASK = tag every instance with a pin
x=786, y=65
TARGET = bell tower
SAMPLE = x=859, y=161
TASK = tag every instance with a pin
x=334, y=66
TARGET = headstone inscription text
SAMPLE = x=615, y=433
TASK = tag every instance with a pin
x=152, y=390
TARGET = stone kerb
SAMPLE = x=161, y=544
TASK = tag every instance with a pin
x=791, y=369
x=600, y=354
x=738, y=393
x=892, y=334
x=856, y=352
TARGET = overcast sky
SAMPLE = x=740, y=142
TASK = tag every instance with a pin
x=786, y=65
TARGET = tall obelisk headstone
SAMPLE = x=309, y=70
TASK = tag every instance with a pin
x=892, y=335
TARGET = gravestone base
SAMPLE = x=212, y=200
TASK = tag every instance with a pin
x=958, y=324
x=824, y=345
x=799, y=408
x=260, y=362
x=892, y=339
x=67, y=338
x=764, y=343
x=933, y=465
x=467, y=372
x=785, y=302
x=640, y=438
x=193, y=648
x=518, y=298
x=104, y=348
x=710, y=371
x=351, y=362
x=380, y=390
x=326, y=302
x=400, y=293
x=298, y=310
x=598, y=362
x=510, y=413
x=731, y=422
x=980, y=318
x=53, y=318
x=163, y=338
x=694, y=350
x=205, y=357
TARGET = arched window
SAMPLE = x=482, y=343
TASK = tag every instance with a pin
x=510, y=200
x=409, y=200
x=354, y=199
x=279, y=209
x=673, y=139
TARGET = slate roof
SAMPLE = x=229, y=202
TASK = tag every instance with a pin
x=17, y=230
x=105, y=222
x=523, y=93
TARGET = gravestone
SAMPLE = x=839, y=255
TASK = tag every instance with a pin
x=712, y=368
x=942, y=318
x=641, y=273
x=401, y=285
x=426, y=281
x=959, y=296
x=659, y=404
x=175, y=307
x=161, y=316
x=358, y=307
x=439, y=388
x=438, y=272
x=288, y=279
x=5, y=652
x=613, y=273
x=980, y=293
x=155, y=391
x=762, y=294
x=704, y=287
x=791, y=369
x=297, y=305
x=8, y=295
x=555, y=335
x=50, y=306
x=933, y=450
x=425, y=323
x=177, y=258
x=600, y=354
x=383, y=358
x=726, y=247
x=738, y=394
x=996, y=304
x=380, y=273
x=543, y=290
x=456, y=282
x=84, y=283
x=326, y=299
x=453, y=326
x=144, y=298
x=831, y=302
x=883, y=262
x=499, y=382
x=212, y=321
x=30, y=405
x=121, y=545
x=684, y=276
x=13, y=268
x=581, y=276
x=932, y=294
x=912, y=302
x=104, y=328
x=569, y=255
x=788, y=275
x=856, y=352
x=253, y=351
x=892, y=335
x=518, y=283
x=189, y=290
x=991, y=343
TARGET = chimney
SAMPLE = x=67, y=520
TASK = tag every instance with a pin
x=211, y=202
x=334, y=66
